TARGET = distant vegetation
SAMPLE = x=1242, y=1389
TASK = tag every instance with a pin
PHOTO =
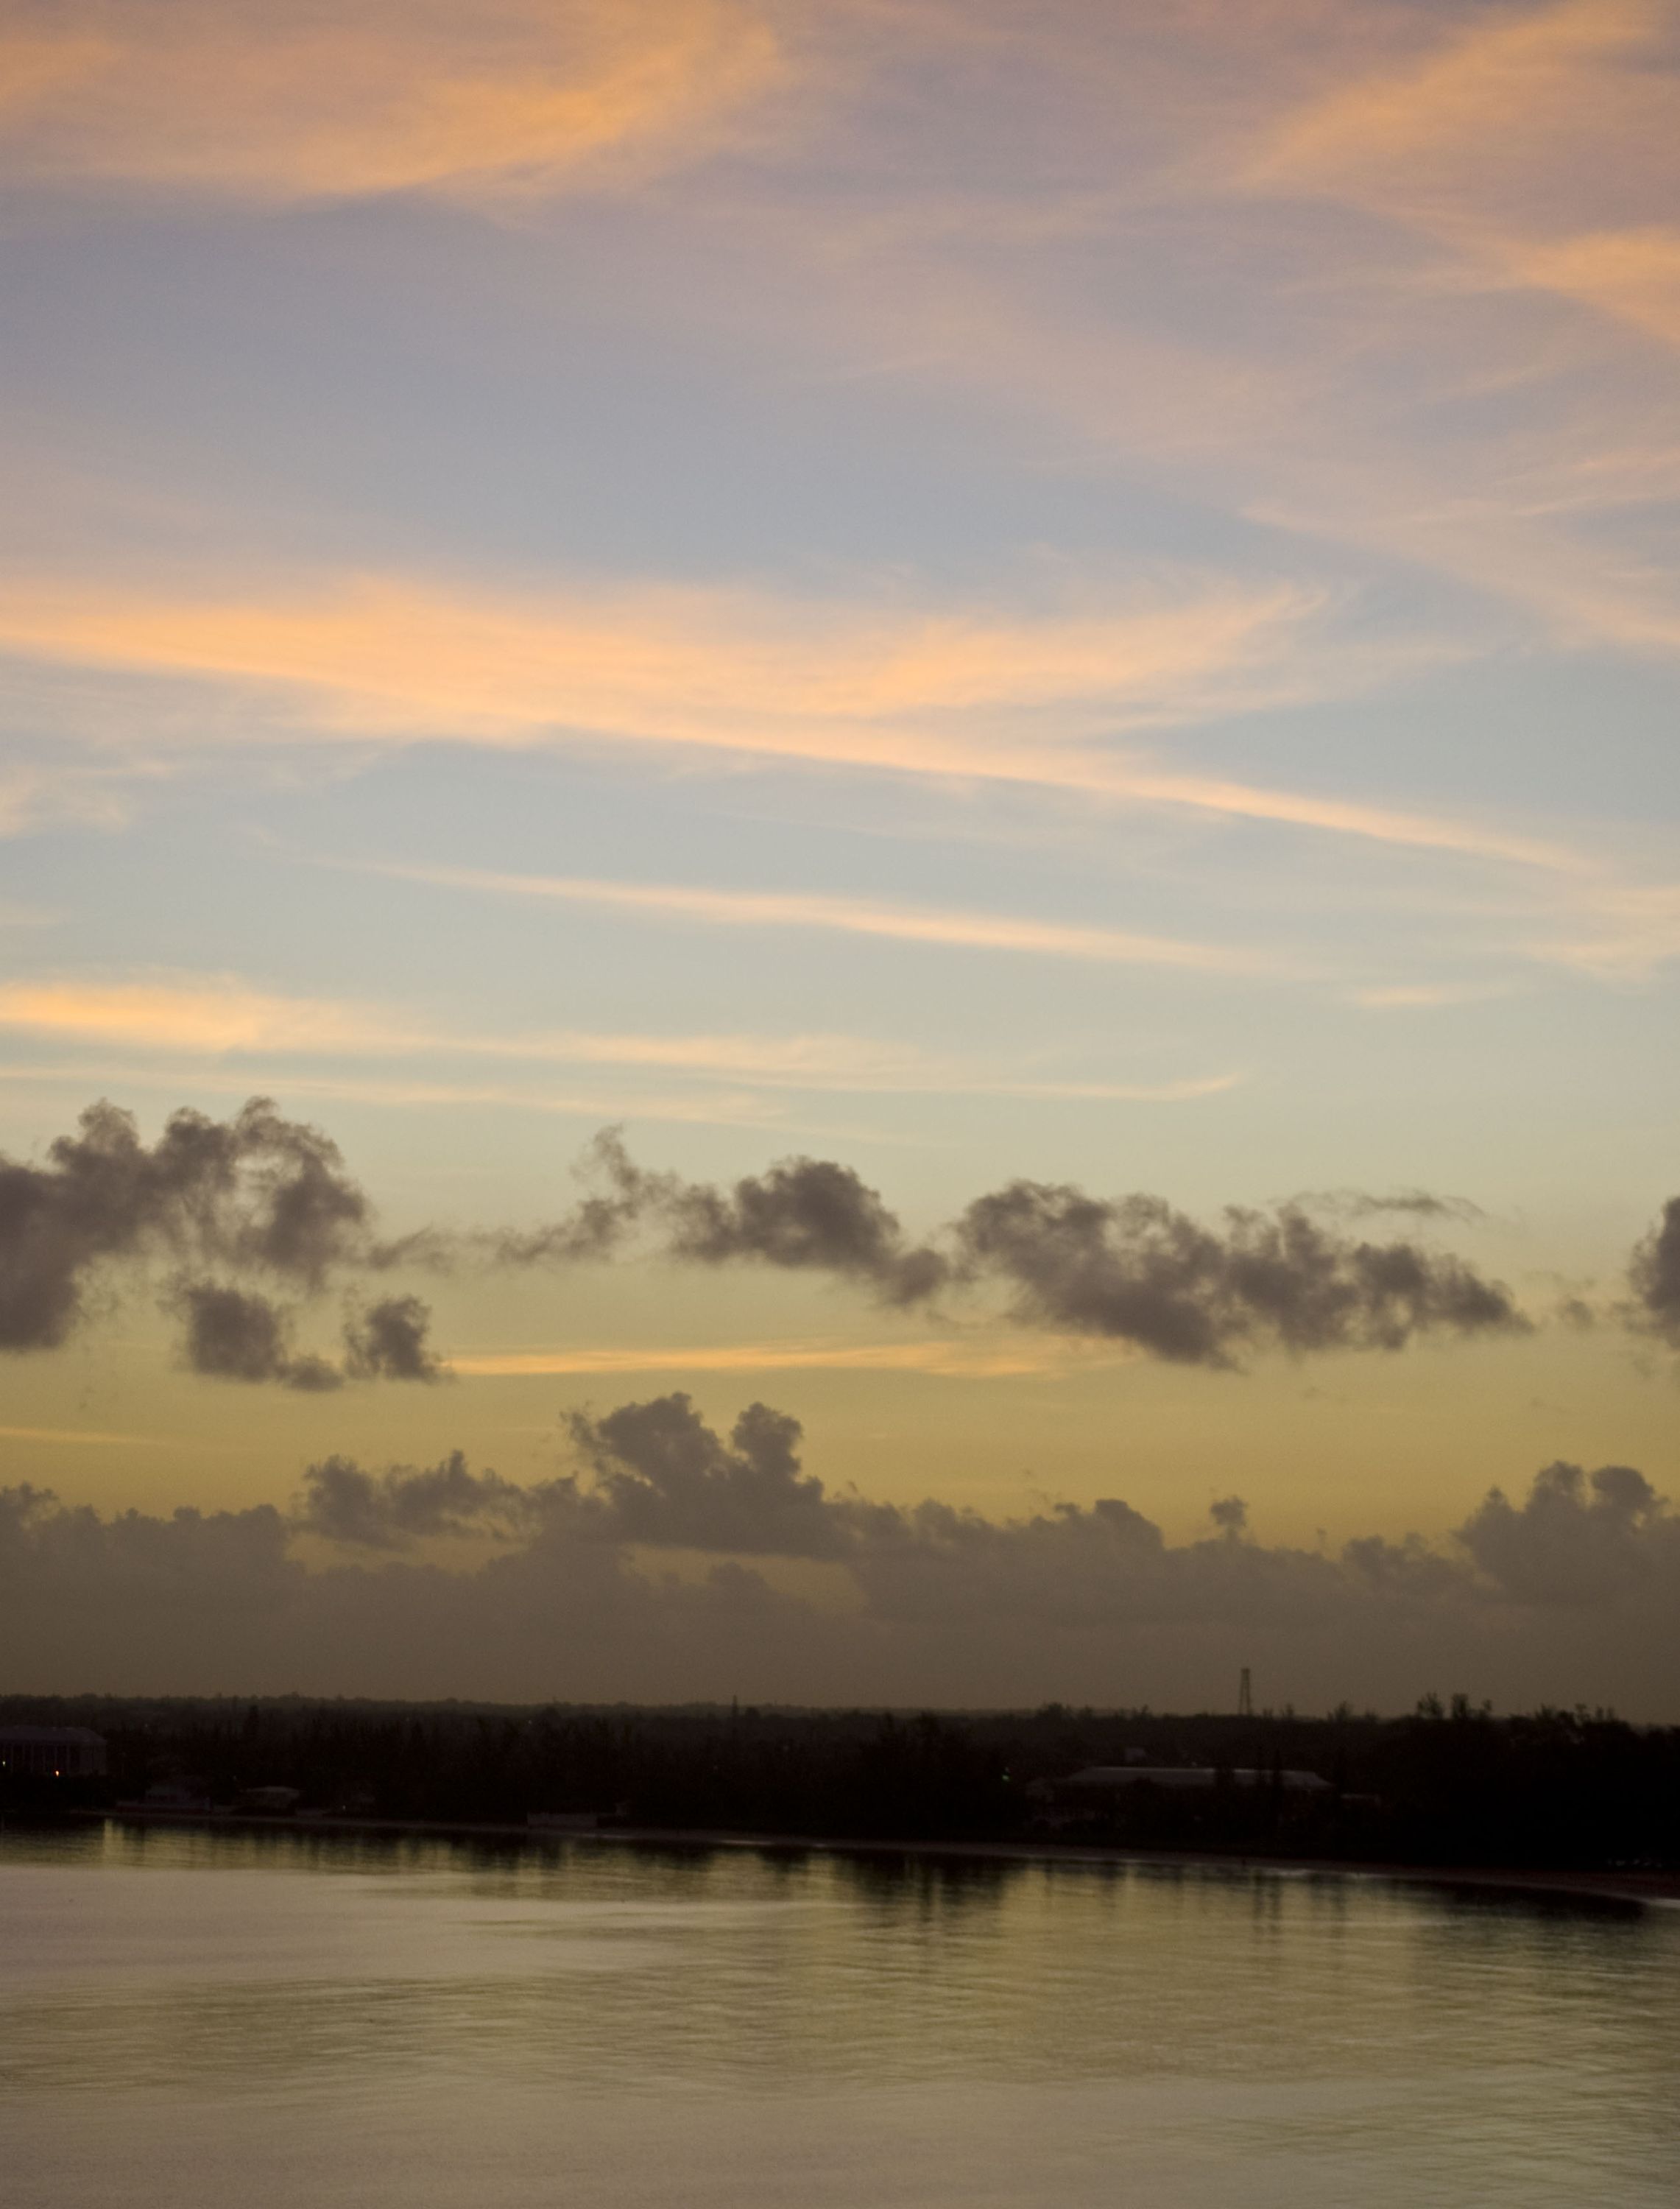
x=1449, y=1784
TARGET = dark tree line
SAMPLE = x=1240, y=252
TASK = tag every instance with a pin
x=1448, y=1784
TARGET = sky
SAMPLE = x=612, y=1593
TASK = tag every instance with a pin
x=954, y=719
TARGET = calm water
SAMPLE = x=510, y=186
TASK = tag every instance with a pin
x=215, y=2019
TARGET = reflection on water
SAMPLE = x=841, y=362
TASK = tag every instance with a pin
x=303, y=2017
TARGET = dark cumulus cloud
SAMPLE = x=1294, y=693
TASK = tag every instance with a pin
x=257, y=1193
x=388, y=1510
x=600, y=1223
x=803, y=1215
x=1134, y=1269
x=661, y=1476
x=806, y=1215
x=1579, y=1539
x=1130, y=1268
x=389, y=1342
x=260, y=1203
x=231, y=1209
x=233, y=1335
x=236, y=1335
x=1654, y=1278
x=651, y=1473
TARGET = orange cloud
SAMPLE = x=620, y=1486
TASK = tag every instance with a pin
x=1532, y=148
x=510, y=96
x=1501, y=104
x=1633, y=274
x=708, y=666
x=1412, y=996
x=1515, y=130
x=221, y=1017
x=955, y=695
x=1543, y=144
x=216, y=1016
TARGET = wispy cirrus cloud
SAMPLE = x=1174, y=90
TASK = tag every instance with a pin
x=221, y=1017
x=1498, y=134
x=1634, y=275
x=1357, y=244
x=212, y=1015
x=704, y=1105
x=511, y=99
x=1426, y=996
x=971, y=694
x=1527, y=150
x=390, y=653
x=1589, y=918
x=1488, y=92
x=848, y=916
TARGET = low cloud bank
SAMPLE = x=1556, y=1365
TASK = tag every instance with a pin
x=1571, y=1594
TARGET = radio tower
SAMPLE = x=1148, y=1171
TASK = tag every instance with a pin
x=1244, y=1696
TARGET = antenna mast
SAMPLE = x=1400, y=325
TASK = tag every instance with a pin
x=1244, y=1696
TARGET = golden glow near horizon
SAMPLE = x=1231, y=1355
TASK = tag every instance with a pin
x=984, y=593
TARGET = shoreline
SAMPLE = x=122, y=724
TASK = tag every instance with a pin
x=1654, y=1889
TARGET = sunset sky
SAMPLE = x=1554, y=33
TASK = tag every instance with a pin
x=986, y=594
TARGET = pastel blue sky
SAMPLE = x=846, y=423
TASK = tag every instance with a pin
x=975, y=590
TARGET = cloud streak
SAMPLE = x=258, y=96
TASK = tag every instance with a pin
x=708, y=1107
x=1653, y=1276
x=220, y=1016
x=903, y=923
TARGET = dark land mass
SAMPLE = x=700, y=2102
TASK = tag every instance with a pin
x=1453, y=1787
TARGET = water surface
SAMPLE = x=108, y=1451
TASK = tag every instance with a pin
x=250, y=2021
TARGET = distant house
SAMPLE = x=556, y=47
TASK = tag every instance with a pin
x=268, y=1802
x=52, y=1751
x=576, y=1822
x=174, y=1798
